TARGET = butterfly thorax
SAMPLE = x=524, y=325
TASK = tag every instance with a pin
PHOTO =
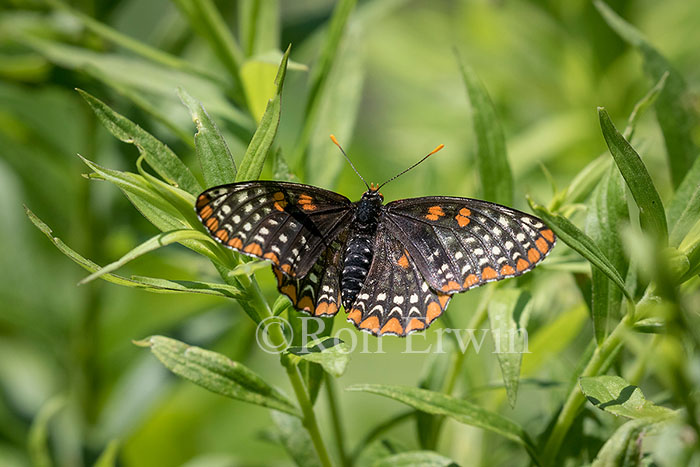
x=359, y=249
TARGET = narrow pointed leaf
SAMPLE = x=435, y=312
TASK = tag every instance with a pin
x=581, y=243
x=218, y=166
x=38, y=437
x=651, y=209
x=332, y=354
x=503, y=307
x=217, y=373
x=290, y=433
x=160, y=240
x=491, y=157
x=615, y=395
x=108, y=458
x=159, y=156
x=254, y=158
x=684, y=210
x=607, y=213
x=460, y=410
x=421, y=458
x=675, y=113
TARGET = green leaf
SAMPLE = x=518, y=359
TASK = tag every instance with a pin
x=208, y=22
x=642, y=105
x=257, y=151
x=650, y=326
x=674, y=110
x=291, y=434
x=584, y=182
x=259, y=83
x=505, y=304
x=581, y=243
x=159, y=156
x=615, y=395
x=108, y=458
x=337, y=111
x=624, y=448
x=160, y=240
x=319, y=77
x=491, y=157
x=421, y=458
x=460, y=410
x=258, y=25
x=684, y=210
x=607, y=213
x=651, y=209
x=331, y=353
x=148, y=283
x=217, y=373
x=38, y=437
x=218, y=166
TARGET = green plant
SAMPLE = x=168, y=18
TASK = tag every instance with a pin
x=636, y=261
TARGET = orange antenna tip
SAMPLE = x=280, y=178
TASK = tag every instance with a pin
x=436, y=149
x=335, y=141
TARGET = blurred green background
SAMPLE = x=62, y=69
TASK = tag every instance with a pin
x=395, y=92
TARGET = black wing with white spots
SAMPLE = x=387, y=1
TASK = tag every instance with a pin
x=289, y=224
x=461, y=243
x=395, y=298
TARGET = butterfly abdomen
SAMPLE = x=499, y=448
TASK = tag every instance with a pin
x=360, y=247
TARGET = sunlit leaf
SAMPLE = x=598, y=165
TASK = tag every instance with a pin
x=216, y=373
x=615, y=395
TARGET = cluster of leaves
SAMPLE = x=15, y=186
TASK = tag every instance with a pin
x=639, y=271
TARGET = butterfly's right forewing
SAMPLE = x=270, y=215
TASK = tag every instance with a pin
x=287, y=223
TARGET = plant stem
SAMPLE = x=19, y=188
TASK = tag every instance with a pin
x=576, y=399
x=278, y=339
x=335, y=417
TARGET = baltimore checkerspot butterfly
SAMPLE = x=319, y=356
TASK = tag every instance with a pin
x=393, y=267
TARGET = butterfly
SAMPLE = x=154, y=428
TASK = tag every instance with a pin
x=393, y=267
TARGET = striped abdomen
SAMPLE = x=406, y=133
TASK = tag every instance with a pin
x=358, y=257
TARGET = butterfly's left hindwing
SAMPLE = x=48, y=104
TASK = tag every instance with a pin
x=287, y=223
x=461, y=243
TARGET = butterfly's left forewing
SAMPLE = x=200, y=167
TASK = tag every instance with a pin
x=289, y=224
x=461, y=243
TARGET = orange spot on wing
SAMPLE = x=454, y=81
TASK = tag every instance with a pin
x=392, y=325
x=254, y=249
x=452, y=285
x=280, y=205
x=371, y=323
x=433, y=312
x=235, y=242
x=462, y=220
x=434, y=212
x=470, y=280
x=465, y=212
x=548, y=234
x=507, y=270
x=443, y=299
x=279, y=196
x=355, y=316
x=488, y=273
x=306, y=304
x=522, y=265
x=202, y=200
x=286, y=268
x=308, y=207
x=415, y=324
x=542, y=245
x=272, y=257
x=326, y=308
x=533, y=255
x=403, y=261
x=222, y=235
x=291, y=292
x=212, y=223
x=278, y=275
x=206, y=212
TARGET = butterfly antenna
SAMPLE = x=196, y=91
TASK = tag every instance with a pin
x=335, y=141
x=413, y=166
